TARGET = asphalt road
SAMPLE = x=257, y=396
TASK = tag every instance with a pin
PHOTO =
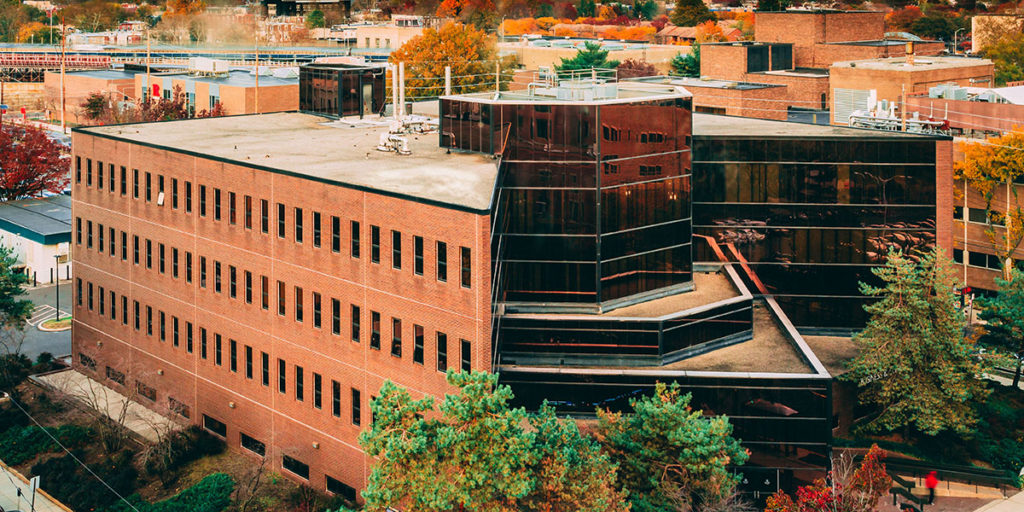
x=44, y=300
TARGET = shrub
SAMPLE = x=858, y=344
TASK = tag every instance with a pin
x=180, y=448
x=211, y=494
x=19, y=444
x=67, y=481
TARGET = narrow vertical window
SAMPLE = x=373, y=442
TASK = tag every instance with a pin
x=417, y=265
x=124, y=181
x=174, y=262
x=218, y=346
x=466, y=355
x=300, y=382
x=232, y=211
x=202, y=342
x=264, y=292
x=317, y=393
x=466, y=269
x=374, y=330
x=149, y=187
x=232, y=281
x=175, y=339
x=335, y=234
x=233, y=355
x=355, y=239
x=317, y=304
x=298, y=304
x=188, y=337
x=216, y=203
x=264, y=216
x=442, y=352
x=188, y=267
x=396, y=337
x=417, y=347
x=202, y=200
x=135, y=183
x=280, y=220
x=248, y=287
x=282, y=378
x=374, y=244
x=396, y=249
x=356, y=407
x=335, y=316
x=336, y=399
x=216, y=276
x=316, y=229
x=355, y=323
x=280, y=298
x=174, y=193
x=298, y=225
x=265, y=368
x=442, y=261
x=248, y=362
x=188, y=197
x=248, y=212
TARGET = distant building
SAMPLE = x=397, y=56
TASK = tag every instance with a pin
x=115, y=85
x=391, y=35
x=988, y=28
x=672, y=34
x=234, y=90
x=302, y=7
x=108, y=38
x=38, y=231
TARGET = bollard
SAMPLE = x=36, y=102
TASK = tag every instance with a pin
x=35, y=282
x=51, y=276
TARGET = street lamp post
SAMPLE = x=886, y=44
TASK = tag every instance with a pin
x=56, y=268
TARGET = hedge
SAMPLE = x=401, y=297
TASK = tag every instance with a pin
x=211, y=494
x=20, y=444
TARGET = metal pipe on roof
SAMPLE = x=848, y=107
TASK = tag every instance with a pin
x=401, y=90
x=394, y=91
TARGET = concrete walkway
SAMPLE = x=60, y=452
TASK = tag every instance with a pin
x=1014, y=503
x=136, y=417
x=11, y=481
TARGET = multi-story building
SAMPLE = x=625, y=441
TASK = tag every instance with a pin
x=263, y=275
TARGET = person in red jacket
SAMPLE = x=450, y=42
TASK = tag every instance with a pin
x=931, y=482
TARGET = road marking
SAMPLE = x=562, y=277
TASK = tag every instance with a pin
x=44, y=312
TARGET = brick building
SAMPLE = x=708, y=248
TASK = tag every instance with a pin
x=263, y=275
x=235, y=91
x=116, y=85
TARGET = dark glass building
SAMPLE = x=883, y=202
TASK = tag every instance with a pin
x=339, y=90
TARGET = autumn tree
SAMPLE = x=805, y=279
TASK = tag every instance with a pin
x=690, y=13
x=845, y=489
x=709, y=32
x=32, y=163
x=915, y=365
x=670, y=456
x=1004, y=317
x=938, y=25
x=900, y=20
x=591, y=56
x=471, y=53
x=687, y=65
x=480, y=13
x=473, y=452
x=633, y=68
x=1007, y=54
x=991, y=168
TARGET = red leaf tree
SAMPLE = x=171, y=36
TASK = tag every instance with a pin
x=844, y=490
x=30, y=163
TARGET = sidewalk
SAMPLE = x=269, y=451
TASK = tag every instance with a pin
x=1014, y=503
x=138, y=418
x=11, y=481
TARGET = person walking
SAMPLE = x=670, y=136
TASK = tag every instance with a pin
x=931, y=482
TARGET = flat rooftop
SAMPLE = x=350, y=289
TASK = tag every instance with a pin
x=713, y=125
x=605, y=93
x=341, y=152
x=103, y=74
x=234, y=78
x=46, y=220
x=704, y=83
x=921, y=63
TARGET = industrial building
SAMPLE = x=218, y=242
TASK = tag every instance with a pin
x=262, y=276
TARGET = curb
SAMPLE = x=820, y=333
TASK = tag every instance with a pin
x=47, y=329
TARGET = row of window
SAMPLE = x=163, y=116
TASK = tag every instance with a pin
x=978, y=215
x=95, y=297
x=980, y=259
x=85, y=231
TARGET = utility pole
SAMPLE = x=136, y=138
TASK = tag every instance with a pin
x=63, y=28
x=256, y=42
x=903, y=105
x=149, y=85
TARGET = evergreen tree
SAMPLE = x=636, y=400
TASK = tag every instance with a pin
x=14, y=311
x=687, y=65
x=316, y=19
x=648, y=9
x=690, y=13
x=773, y=5
x=475, y=453
x=589, y=57
x=915, y=365
x=670, y=456
x=1004, y=315
x=587, y=9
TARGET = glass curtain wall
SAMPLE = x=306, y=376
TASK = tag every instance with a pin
x=814, y=216
x=338, y=91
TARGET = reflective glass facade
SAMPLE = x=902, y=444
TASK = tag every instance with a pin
x=814, y=215
x=593, y=203
x=339, y=90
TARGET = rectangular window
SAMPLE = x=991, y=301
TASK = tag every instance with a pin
x=202, y=342
x=355, y=239
x=296, y=467
x=298, y=225
x=149, y=253
x=160, y=189
x=163, y=326
x=215, y=426
x=280, y=220
x=113, y=177
x=124, y=246
x=396, y=249
x=248, y=362
x=251, y=444
x=175, y=338
x=124, y=181
x=265, y=368
x=442, y=352
x=149, y=187
x=188, y=197
x=135, y=183
x=281, y=310
x=216, y=203
x=78, y=294
x=355, y=323
x=113, y=305
x=216, y=276
x=124, y=310
x=336, y=398
x=264, y=216
x=316, y=229
x=202, y=271
x=174, y=193
x=111, y=234
x=88, y=234
x=88, y=172
x=466, y=355
x=78, y=169
x=115, y=375
x=91, y=297
x=317, y=393
x=174, y=262
x=188, y=337
x=232, y=211
x=317, y=304
x=356, y=406
x=442, y=261
x=218, y=347
x=145, y=391
x=233, y=355
x=188, y=267
x=299, y=383
x=374, y=330
x=99, y=234
x=138, y=315
x=374, y=244
x=99, y=175
x=265, y=292
x=149, y=320
x=298, y=304
x=202, y=200
x=161, y=250
x=248, y=212
x=336, y=317
x=282, y=377
x=232, y=281
x=248, y=287
x=78, y=230
x=417, y=243
x=417, y=348
x=396, y=337
x=335, y=234
x=466, y=267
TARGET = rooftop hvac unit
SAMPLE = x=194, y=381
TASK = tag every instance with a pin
x=207, y=66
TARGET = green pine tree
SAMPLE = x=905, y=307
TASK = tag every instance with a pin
x=1004, y=316
x=687, y=65
x=14, y=311
x=690, y=13
x=671, y=456
x=586, y=9
x=773, y=5
x=915, y=365
x=589, y=57
x=475, y=453
x=316, y=19
x=648, y=10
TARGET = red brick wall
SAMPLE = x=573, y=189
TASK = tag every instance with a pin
x=944, y=195
x=76, y=88
x=889, y=82
x=766, y=103
x=285, y=425
x=723, y=61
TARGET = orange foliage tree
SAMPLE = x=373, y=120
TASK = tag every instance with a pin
x=901, y=19
x=185, y=7
x=710, y=32
x=471, y=53
x=845, y=489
